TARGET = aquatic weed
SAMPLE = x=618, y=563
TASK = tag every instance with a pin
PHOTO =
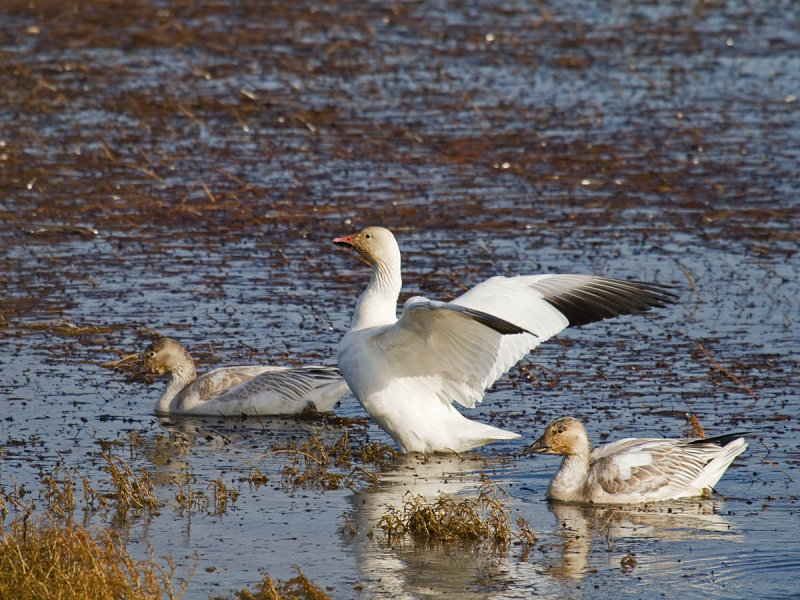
x=15, y=499
x=297, y=588
x=192, y=500
x=255, y=478
x=474, y=520
x=694, y=427
x=130, y=490
x=377, y=453
x=188, y=499
x=168, y=447
x=312, y=464
x=222, y=495
x=59, y=492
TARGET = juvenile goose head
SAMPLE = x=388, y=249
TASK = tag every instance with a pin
x=164, y=356
x=565, y=435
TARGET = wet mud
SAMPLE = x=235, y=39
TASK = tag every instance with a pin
x=181, y=169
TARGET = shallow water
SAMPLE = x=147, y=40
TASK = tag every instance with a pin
x=182, y=170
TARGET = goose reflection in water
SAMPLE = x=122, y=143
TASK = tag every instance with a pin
x=408, y=569
x=582, y=536
x=186, y=439
x=579, y=526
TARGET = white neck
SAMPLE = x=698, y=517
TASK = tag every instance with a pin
x=180, y=376
x=378, y=304
x=568, y=482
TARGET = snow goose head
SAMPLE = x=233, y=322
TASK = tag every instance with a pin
x=565, y=435
x=375, y=246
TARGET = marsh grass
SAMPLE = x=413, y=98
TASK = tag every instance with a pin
x=15, y=499
x=45, y=554
x=215, y=499
x=58, y=490
x=45, y=559
x=222, y=495
x=481, y=520
x=169, y=447
x=297, y=588
x=693, y=427
x=255, y=478
x=131, y=491
x=189, y=499
x=318, y=466
x=377, y=453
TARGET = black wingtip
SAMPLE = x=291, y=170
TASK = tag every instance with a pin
x=496, y=323
x=603, y=298
x=720, y=440
x=491, y=321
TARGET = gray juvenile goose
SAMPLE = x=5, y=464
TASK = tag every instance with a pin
x=234, y=391
x=633, y=470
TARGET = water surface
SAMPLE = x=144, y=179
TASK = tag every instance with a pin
x=178, y=169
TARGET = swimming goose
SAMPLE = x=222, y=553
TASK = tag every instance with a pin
x=633, y=470
x=236, y=391
x=407, y=372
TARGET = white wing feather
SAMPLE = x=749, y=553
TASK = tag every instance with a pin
x=515, y=300
x=456, y=352
x=547, y=304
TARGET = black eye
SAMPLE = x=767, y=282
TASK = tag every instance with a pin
x=151, y=354
x=368, y=236
x=560, y=430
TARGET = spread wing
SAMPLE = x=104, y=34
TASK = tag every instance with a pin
x=453, y=347
x=547, y=304
x=462, y=347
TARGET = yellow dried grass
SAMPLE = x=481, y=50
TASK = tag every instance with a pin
x=297, y=588
x=484, y=519
x=47, y=560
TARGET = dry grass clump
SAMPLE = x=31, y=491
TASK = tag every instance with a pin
x=377, y=453
x=628, y=563
x=167, y=448
x=319, y=466
x=213, y=500
x=221, y=495
x=484, y=519
x=191, y=500
x=131, y=491
x=58, y=490
x=67, y=328
x=297, y=588
x=255, y=478
x=46, y=560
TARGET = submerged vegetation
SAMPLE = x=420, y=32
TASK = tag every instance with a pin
x=484, y=519
x=45, y=553
x=214, y=499
x=318, y=466
x=297, y=588
x=131, y=490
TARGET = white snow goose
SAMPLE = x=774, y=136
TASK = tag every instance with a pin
x=633, y=470
x=407, y=372
x=241, y=390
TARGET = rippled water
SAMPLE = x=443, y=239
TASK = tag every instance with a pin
x=179, y=169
